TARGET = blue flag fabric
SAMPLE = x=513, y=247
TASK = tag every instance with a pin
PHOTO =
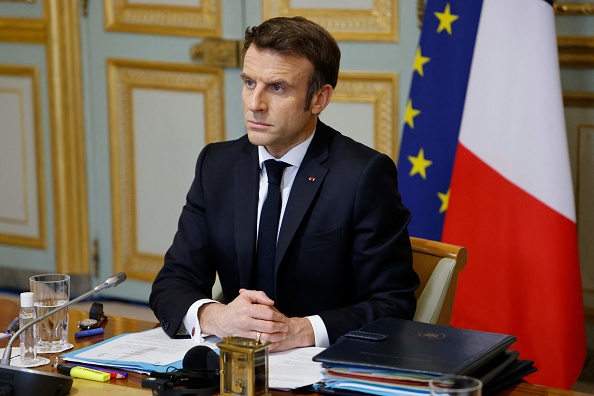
x=434, y=111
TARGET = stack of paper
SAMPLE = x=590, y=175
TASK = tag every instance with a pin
x=396, y=356
x=153, y=350
x=376, y=381
x=143, y=352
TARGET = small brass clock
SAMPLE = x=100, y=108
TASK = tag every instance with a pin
x=244, y=367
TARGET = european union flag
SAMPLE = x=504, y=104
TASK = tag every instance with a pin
x=434, y=111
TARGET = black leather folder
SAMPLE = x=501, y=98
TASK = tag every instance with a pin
x=510, y=376
x=495, y=366
x=415, y=347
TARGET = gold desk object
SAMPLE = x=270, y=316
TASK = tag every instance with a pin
x=244, y=367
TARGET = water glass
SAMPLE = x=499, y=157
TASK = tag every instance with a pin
x=455, y=385
x=51, y=291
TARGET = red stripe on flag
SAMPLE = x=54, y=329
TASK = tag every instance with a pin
x=522, y=276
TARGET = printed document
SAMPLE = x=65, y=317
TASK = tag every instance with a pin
x=153, y=350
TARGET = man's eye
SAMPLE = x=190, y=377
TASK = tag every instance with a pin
x=277, y=88
x=249, y=83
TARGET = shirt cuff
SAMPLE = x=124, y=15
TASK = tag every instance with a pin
x=320, y=332
x=191, y=324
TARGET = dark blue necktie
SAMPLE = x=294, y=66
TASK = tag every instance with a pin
x=268, y=229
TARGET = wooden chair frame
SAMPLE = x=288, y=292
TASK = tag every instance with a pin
x=426, y=256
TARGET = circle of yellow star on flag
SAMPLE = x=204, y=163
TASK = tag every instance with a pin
x=445, y=201
x=445, y=20
x=410, y=114
x=420, y=60
x=419, y=164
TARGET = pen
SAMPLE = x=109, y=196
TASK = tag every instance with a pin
x=83, y=372
x=90, y=332
x=113, y=373
x=13, y=326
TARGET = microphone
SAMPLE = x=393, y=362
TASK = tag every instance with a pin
x=109, y=282
x=199, y=375
x=201, y=359
x=30, y=382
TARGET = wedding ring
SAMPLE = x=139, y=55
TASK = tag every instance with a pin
x=258, y=334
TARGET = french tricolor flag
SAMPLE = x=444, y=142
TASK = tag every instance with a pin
x=484, y=164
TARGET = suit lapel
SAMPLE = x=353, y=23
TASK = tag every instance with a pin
x=307, y=182
x=246, y=206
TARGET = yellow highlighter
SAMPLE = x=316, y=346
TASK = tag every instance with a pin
x=84, y=373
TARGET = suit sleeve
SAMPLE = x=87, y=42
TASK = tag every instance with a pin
x=187, y=274
x=381, y=254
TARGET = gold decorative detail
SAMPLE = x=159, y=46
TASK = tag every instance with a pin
x=123, y=77
x=32, y=73
x=67, y=137
x=420, y=12
x=576, y=51
x=218, y=53
x=21, y=30
x=380, y=90
x=585, y=134
x=203, y=20
x=578, y=99
x=574, y=8
x=376, y=24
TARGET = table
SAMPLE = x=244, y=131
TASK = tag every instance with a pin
x=132, y=385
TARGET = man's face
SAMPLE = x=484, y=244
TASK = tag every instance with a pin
x=273, y=98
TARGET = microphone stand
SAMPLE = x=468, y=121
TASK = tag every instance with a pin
x=27, y=378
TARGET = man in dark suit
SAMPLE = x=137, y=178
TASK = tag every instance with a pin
x=343, y=256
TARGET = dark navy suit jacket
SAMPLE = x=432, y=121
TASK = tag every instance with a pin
x=343, y=250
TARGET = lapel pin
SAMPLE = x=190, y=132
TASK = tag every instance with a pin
x=311, y=178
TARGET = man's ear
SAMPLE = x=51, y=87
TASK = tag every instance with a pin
x=321, y=99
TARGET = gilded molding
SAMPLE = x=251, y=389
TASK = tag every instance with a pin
x=32, y=72
x=21, y=30
x=203, y=20
x=420, y=13
x=218, y=53
x=380, y=23
x=583, y=129
x=583, y=100
x=67, y=137
x=574, y=8
x=380, y=90
x=578, y=99
x=576, y=51
x=123, y=77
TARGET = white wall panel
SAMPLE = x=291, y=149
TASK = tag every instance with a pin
x=355, y=120
x=167, y=143
x=19, y=189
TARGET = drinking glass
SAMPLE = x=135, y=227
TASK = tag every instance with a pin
x=455, y=385
x=49, y=292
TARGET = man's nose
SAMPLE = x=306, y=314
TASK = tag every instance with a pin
x=258, y=100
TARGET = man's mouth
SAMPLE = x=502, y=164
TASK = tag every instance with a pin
x=257, y=124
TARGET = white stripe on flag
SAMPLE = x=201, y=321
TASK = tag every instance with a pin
x=513, y=114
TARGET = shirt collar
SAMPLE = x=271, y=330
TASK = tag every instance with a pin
x=293, y=157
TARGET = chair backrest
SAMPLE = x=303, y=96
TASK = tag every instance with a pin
x=217, y=290
x=438, y=265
